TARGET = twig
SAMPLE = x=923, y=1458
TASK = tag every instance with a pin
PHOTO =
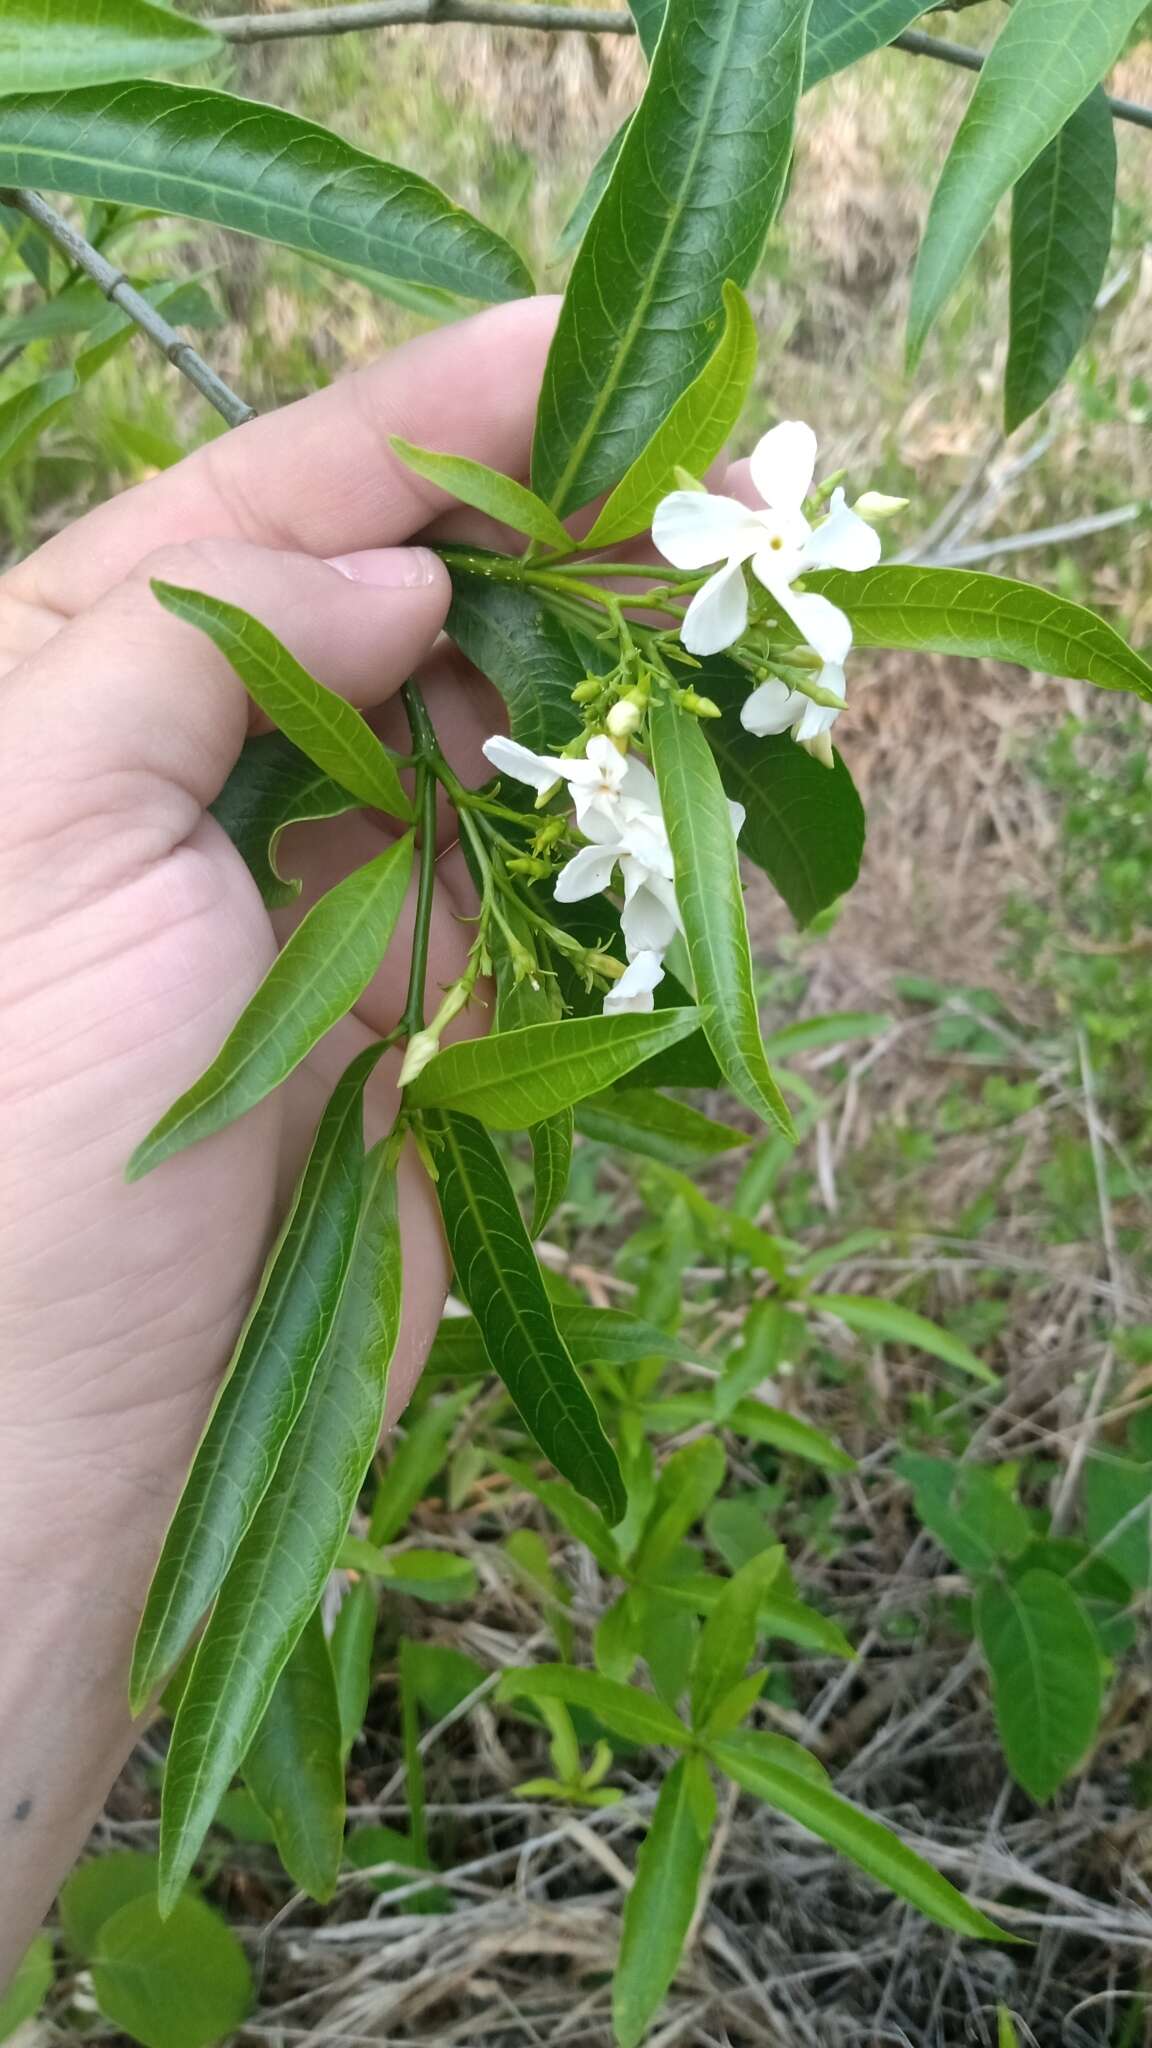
x=116, y=288
x=369, y=14
x=1042, y=537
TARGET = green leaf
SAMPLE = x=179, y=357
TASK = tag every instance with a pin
x=771, y=1333
x=993, y=618
x=1117, y=1505
x=272, y=1368
x=889, y=1323
x=966, y=1509
x=1046, y=1676
x=636, y=1715
x=509, y=634
x=512, y=1079
x=834, y=1028
x=280, y=1569
x=367, y=1847
x=319, y=975
x=551, y=1166
x=473, y=483
x=639, y=1120
x=805, y=823
x=1044, y=62
x=694, y=432
x=688, y=1483
x=179, y=1982
x=80, y=308
x=840, y=32
x=688, y=206
x=47, y=45
x=25, y=1994
x=414, y=1459
x=659, y=1908
x=758, y=1422
x=728, y=1640
x=323, y=725
x=352, y=1645
x=856, y=1835
x=1061, y=234
x=755, y=1745
x=24, y=415
x=649, y=18
x=497, y=1273
x=594, y=1336
x=712, y=906
x=780, y=1615
x=98, y=1889
x=272, y=786
x=435, y=1575
x=295, y=1765
x=250, y=167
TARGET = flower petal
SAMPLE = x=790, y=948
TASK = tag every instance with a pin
x=822, y=624
x=587, y=873
x=508, y=757
x=649, y=923
x=737, y=813
x=639, y=785
x=817, y=718
x=783, y=464
x=772, y=708
x=842, y=541
x=633, y=991
x=693, y=528
x=718, y=613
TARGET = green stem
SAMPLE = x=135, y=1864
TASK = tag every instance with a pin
x=425, y=748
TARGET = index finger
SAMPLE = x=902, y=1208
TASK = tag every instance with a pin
x=320, y=476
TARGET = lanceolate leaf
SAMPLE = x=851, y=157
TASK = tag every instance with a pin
x=46, y=45
x=594, y=1336
x=805, y=823
x=659, y=1908
x=994, y=618
x=1044, y=63
x=268, y=1380
x=689, y=203
x=281, y=1567
x=497, y=1274
x=525, y=652
x=840, y=32
x=693, y=433
x=24, y=415
x=892, y=1323
x=857, y=1836
x=295, y=1766
x=323, y=969
x=272, y=786
x=640, y=1120
x=1061, y=234
x=1046, y=1676
x=243, y=165
x=757, y=1421
x=473, y=483
x=512, y=1079
x=728, y=1639
x=551, y=1165
x=636, y=1715
x=649, y=18
x=712, y=906
x=323, y=725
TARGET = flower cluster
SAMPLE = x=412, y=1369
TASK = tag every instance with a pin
x=695, y=528
x=618, y=812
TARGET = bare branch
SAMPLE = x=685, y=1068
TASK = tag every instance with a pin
x=119, y=292
x=370, y=14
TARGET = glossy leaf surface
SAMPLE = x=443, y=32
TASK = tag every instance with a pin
x=46, y=45
x=1061, y=234
x=498, y=1275
x=272, y=786
x=659, y=1908
x=551, y=1165
x=690, y=200
x=473, y=483
x=840, y=32
x=272, y=1369
x=1045, y=61
x=323, y=725
x=295, y=1766
x=526, y=654
x=240, y=164
x=712, y=906
x=728, y=1639
x=1046, y=1676
x=594, y=1336
x=291, y=1545
x=640, y=1120
x=994, y=618
x=513, y=1079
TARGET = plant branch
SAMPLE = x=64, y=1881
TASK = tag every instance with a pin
x=425, y=748
x=120, y=293
x=372, y=14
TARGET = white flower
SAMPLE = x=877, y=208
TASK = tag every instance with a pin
x=633, y=991
x=597, y=782
x=776, y=708
x=694, y=528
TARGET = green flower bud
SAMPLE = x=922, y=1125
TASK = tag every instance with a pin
x=588, y=691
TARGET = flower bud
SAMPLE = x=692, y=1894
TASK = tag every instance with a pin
x=588, y=691
x=423, y=1047
x=625, y=717
x=874, y=505
x=700, y=707
x=524, y=864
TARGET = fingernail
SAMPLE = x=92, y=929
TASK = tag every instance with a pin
x=389, y=568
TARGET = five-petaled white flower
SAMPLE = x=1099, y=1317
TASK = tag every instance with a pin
x=776, y=708
x=695, y=528
x=618, y=811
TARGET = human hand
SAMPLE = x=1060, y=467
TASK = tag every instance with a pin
x=131, y=936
